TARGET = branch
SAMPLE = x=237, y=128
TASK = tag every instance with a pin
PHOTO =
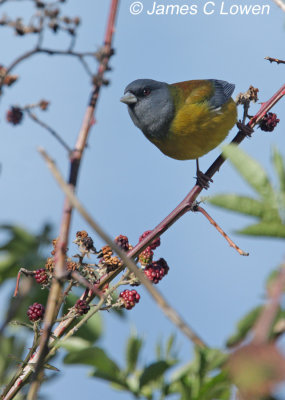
x=75, y=159
x=280, y=4
x=197, y=208
x=128, y=262
x=271, y=59
x=48, y=128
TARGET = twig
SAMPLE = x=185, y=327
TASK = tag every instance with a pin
x=128, y=262
x=75, y=159
x=280, y=4
x=50, y=52
x=84, y=282
x=275, y=59
x=26, y=272
x=264, y=323
x=219, y=229
x=48, y=128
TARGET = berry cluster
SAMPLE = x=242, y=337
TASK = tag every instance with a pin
x=154, y=244
x=81, y=307
x=36, y=312
x=156, y=270
x=41, y=276
x=129, y=298
x=14, y=115
x=269, y=122
x=123, y=242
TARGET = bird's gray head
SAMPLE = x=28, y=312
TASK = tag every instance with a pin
x=150, y=106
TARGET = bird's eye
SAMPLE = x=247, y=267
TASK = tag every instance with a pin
x=146, y=91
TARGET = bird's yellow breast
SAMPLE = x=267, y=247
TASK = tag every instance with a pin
x=196, y=128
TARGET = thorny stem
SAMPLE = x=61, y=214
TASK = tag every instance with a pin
x=276, y=60
x=220, y=230
x=75, y=159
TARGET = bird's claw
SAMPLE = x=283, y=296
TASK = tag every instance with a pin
x=246, y=129
x=203, y=180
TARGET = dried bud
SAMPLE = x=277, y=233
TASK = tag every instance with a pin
x=113, y=263
x=71, y=265
x=52, y=13
x=43, y=104
x=53, y=25
x=10, y=79
x=106, y=252
x=66, y=20
x=55, y=243
x=40, y=4
x=249, y=95
x=76, y=21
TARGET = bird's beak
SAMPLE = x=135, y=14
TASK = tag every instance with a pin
x=129, y=98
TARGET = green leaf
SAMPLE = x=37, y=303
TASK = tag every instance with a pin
x=250, y=169
x=169, y=345
x=244, y=326
x=153, y=372
x=94, y=356
x=22, y=249
x=269, y=229
x=74, y=344
x=118, y=381
x=217, y=387
x=245, y=205
x=279, y=168
x=215, y=358
x=134, y=345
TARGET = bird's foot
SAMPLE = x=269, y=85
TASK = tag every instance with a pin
x=203, y=180
x=246, y=129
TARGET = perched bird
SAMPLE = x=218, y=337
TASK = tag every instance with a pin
x=184, y=120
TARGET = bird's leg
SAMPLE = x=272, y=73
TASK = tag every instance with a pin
x=247, y=130
x=202, y=179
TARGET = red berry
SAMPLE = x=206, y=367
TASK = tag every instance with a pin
x=130, y=298
x=14, y=115
x=123, y=242
x=156, y=270
x=36, y=312
x=82, y=307
x=41, y=276
x=269, y=122
x=154, y=244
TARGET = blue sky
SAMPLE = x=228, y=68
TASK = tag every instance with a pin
x=125, y=182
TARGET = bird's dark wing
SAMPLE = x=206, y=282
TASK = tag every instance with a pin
x=222, y=92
